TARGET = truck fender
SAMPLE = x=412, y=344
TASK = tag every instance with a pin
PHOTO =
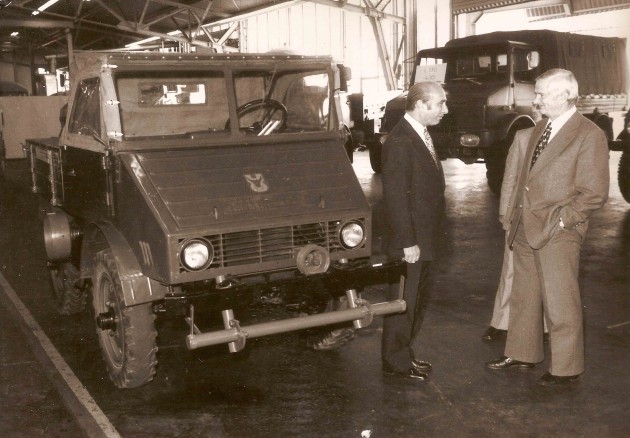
x=512, y=123
x=603, y=121
x=137, y=288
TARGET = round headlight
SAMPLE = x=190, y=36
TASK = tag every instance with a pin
x=196, y=254
x=352, y=235
x=469, y=140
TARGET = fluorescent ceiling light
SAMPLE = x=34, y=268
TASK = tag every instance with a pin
x=45, y=6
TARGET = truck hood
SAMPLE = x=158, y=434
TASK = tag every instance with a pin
x=209, y=189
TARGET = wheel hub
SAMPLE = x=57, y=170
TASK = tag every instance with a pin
x=106, y=320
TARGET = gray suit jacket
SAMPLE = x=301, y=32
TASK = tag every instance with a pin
x=570, y=181
x=513, y=165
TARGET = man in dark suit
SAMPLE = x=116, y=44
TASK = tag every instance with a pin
x=413, y=192
x=563, y=180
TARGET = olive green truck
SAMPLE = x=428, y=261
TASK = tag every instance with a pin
x=185, y=184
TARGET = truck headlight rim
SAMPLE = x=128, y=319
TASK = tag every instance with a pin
x=196, y=254
x=352, y=234
x=469, y=140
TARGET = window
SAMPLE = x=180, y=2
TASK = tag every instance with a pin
x=86, y=112
x=274, y=101
x=161, y=104
x=171, y=93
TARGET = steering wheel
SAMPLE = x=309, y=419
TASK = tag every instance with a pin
x=267, y=115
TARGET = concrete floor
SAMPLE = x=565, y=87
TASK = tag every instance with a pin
x=279, y=388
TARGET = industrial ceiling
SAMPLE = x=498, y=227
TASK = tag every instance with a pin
x=32, y=29
x=43, y=25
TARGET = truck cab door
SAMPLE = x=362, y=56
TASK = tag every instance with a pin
x=524, y=73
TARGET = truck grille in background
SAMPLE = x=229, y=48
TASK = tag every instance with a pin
x=271, y=244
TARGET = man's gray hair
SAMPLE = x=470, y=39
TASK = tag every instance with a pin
x=561, y=81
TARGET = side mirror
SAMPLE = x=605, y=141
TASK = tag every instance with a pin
x=533, y=60
x=345, y=74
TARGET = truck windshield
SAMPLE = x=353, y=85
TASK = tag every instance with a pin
x=269, y=101
x=277, y=101
x=161, y=104
x=476, y=66
x=473, y=67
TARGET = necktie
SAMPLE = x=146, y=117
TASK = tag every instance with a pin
x=429, y=143
x=544, y=139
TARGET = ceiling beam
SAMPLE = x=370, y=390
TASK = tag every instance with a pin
x=37, y=24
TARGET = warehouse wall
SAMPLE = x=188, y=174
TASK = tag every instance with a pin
x=28, y=117
x=16, y=73
x=317, y=29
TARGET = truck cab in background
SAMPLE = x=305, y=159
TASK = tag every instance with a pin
x=490, y=80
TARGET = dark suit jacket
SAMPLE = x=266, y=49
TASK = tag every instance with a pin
x=570, y=180
x=413, y=191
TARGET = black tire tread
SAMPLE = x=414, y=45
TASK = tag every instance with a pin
x=623, y=176
x=70, y=296
x=138, y=322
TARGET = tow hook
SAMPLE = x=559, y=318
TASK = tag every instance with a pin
x=107, y=320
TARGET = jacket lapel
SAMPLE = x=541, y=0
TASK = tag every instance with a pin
x=420, y=144
x=422, y=149
x=558, y=143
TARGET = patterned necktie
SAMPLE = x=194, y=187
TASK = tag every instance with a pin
x=429, y=143
x=541, y=144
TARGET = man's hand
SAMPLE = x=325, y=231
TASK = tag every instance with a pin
x=412, y=254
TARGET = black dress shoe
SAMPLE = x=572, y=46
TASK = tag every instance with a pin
x=411, y=373
x=507, y=362
x=494, y=334
x=548, y=379
x=421, y=365
x=332, y=339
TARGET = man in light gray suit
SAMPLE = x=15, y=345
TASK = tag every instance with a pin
x=501, y=311
x=563, y=180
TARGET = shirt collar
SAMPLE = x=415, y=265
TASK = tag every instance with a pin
x=416, y=125
x=561, y=120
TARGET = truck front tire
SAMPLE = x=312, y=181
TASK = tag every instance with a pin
x=127, y=335
x=624, y=174
x=495, y=165
x=375, y=149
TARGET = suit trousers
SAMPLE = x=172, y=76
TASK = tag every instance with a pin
x=400, y=330
x=546, y=285
x=501, y=311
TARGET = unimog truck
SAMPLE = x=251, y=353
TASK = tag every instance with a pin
x=185, y=184
x=489, y=80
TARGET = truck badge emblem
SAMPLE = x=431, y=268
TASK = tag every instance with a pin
x=256, y=182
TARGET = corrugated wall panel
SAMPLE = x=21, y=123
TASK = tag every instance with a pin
x=322, y=30
x=589, y=5
x=462, y=6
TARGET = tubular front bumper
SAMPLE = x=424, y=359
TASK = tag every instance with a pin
x=360, y=311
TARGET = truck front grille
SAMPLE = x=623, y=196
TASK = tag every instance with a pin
x=271, y=244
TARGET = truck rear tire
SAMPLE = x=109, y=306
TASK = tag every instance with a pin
x=497, y=156
x=127, y=335
x=495, y=165
x=375, y=148
x=624, y=174
x=68, y=290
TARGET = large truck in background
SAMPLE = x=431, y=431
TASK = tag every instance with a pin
x=490, y=79
x=191, y=185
